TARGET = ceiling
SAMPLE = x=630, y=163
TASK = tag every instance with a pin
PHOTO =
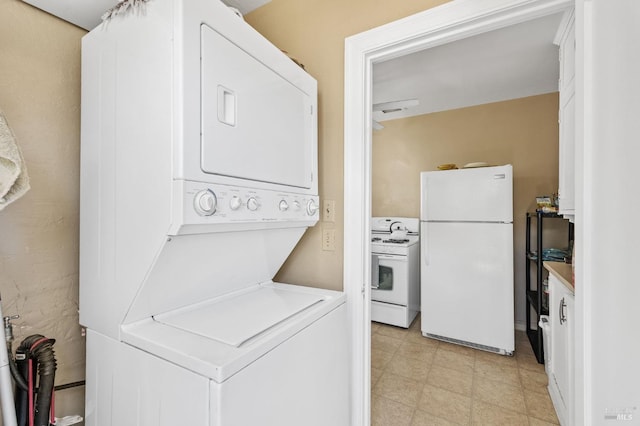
x=508, y=63
x=87, y=13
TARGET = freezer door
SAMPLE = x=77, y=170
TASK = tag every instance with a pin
x=467, y=282
x=478, y=195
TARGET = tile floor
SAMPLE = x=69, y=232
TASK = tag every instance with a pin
x=420, y=381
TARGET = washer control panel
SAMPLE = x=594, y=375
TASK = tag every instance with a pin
x=211, y=203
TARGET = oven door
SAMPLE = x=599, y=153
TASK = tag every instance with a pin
x=390, y=281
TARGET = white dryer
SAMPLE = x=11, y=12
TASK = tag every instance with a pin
x=198, y=178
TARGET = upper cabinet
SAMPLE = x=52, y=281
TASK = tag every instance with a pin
x=565, y=39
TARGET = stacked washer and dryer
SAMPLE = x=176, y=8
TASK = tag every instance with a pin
x=198, y=178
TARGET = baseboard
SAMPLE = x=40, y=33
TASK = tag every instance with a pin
x=521, y=326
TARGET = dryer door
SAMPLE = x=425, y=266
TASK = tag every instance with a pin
x=255, y=124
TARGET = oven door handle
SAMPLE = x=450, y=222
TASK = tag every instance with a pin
x=375, y=271
x=394, y=258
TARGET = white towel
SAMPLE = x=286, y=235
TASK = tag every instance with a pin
x=14, y=181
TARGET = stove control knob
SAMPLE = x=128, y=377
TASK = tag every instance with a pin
x=205, y=202
x=296, y=206
x=252, y=204
x=312, y=207
x=283, y=206
x=235, y=202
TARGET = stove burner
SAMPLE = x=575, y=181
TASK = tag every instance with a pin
x=396, y=241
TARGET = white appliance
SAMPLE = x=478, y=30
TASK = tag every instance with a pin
x=466, y=235
x=198, y=178
x=395, y=273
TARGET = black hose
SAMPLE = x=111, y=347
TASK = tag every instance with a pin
x=40, y=349
x=22, y=395
x=15, y=373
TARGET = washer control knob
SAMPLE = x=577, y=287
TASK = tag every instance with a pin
x=296, y=206
x=252, y=204
x=283, y=206
x=205, y=202
x=235, y=202
x=312, y=207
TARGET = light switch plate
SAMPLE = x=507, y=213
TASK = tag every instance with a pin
x=329, y=211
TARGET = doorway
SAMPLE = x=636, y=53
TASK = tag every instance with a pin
x=441, y=25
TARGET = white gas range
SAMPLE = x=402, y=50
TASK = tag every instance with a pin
x=395, y=270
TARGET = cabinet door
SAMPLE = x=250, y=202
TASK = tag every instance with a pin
x=566, y=189
x=561, y=317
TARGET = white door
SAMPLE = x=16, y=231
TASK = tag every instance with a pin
x=478, y=195
x=392, y=283
x=467, y=282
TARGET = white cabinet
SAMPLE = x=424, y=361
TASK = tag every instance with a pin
x=565, y=38
x=562, y=319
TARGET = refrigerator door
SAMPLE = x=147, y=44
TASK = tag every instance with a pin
x=467, y=283
x=468, y=195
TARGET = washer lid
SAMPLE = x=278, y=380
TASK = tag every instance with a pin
x=236, y=320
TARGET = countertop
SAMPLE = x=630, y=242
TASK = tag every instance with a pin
x=562, y=271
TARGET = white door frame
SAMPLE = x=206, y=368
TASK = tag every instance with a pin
x=452, y=21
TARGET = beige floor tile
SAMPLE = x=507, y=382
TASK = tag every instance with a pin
x=540, y=406
x=500, y=394
x=446, y=405
x=392, y=331
x=399, y=389
x=534, y=381
x=454, y=360
x=416, y=351
x=410, y=368
x=529, y=362
x=385, y=343
x=385, y=412
x=376, y=373
x=489, y=370
x=422, y=418
x=537, y=422
x=380, y=359
x=451, y=380
x=489, y=414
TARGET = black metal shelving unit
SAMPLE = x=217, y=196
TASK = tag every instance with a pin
x=534, y=294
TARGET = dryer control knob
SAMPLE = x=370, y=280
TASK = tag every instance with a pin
x=312, y=208
x=252, y=204
x=283, y=206
x=205, y=202
x=235, y=202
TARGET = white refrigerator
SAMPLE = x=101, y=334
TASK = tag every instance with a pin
x=466, y=236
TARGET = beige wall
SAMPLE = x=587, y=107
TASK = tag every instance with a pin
x=40, y=96
x=521, y=132
x=313, y=32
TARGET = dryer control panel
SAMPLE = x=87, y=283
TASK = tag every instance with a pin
x=229, y=206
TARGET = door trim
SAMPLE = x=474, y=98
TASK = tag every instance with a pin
x=449, y=22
